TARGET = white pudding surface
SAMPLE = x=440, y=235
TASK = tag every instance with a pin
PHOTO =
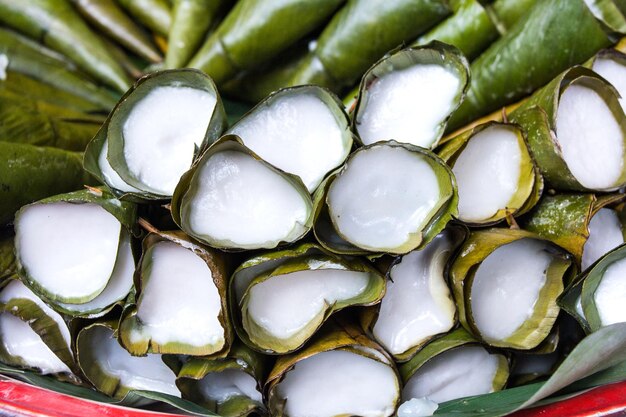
x=240, y=201
x=383, y=195
x=506, y=287
x=68, y=249
x=615, y=73
x=161, y=133
x=222, y=386
x=179, y=301
x=605, y=233
x=417, y=304
x=297, y=133
x=338, y=382
x=135, y=372
x=456, y=373
x=611, y=293
x=118, y=286
x=408, y=105
x=487, y=173
x=590, y=138
x=284, y=304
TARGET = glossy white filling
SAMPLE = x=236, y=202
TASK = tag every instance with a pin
x=605, y=233
x=615, y=73
x=297, y=133
x=179, y=301
x=161, y=133
x=222, y=386
x=284, y=304
x=487, y=173
x=68, y=249
x=417, y=407
x=242, y=202
x=338, y=383
x=611, y=293
x=118, y=286
x=21, y=342
x=110, y=176
x=135, y=372
x=590, y=138
x=384, y=195
x=506, y=287
x=417, y=304
x=456, y=373
x=408, y=105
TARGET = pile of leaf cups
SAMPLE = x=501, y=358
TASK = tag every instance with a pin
x=312, y=260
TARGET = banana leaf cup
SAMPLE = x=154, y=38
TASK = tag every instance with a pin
x=179, y=306
x=454, y=366
x=230, y=387
x=418, y=304
x=32, y=335
x=231, y=199
x=59, y=27
x=576, y=131
x=506, y=283
x=340, y=372
x=147, y=166
x=409, y=95
x=303, y=131
x=354, y=216
x=115, y=372
x=68, y=246
x=280, y=299
x=495, y=173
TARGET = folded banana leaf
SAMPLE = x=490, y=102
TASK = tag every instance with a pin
x=59, y=27
x=506, y=283
x=18, y=85
x=353, y=217
x=191, y=20
x=542, y=38
x=595, y=299
x=570, y=221
x=154, y=14
x=232, y=199
x=611, y=65
x=8, y=266
x=148, y=166
x=248, y=35
x=495, y=173
x=36, y=122
x=360, y=34
x=173, y=272
x=114, y=372
x=409, y=95
x=32, y=335
x=230, y=387
x=454, y=366
x=340, y=372
x=576, y=131
x=280, y=299
x=30, y=173
x=36, y=61
x=417, y=305
x=108, y=18
x=67, y=245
